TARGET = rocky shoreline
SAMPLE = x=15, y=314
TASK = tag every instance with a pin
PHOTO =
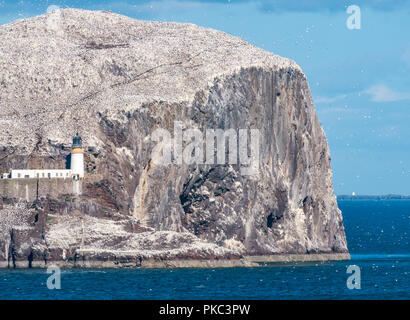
x=248, y=261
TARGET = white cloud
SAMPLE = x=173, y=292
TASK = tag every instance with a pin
x=329, y=99
x=337, y=112
x=382, y=93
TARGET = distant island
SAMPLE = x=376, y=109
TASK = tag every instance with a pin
x=378, y=197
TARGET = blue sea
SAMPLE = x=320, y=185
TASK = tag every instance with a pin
x=378, y=239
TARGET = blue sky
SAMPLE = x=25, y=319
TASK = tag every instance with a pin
x=359, y=78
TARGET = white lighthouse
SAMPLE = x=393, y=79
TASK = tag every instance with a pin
x=76, y=170
x=77, y=157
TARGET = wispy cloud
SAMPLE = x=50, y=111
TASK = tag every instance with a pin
x=382, y=93
x=337, y=110
x=330, y=99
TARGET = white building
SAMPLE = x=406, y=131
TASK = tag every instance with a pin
x=76, y=167
x=40, y=173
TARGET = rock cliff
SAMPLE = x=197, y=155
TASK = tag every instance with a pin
x=116, y=80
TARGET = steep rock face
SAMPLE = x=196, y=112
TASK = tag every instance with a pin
x=116, y=80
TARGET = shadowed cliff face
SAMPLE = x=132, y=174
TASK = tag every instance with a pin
x=120, y=95
x=288, y=206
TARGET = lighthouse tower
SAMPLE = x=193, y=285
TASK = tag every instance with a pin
x=77, y=157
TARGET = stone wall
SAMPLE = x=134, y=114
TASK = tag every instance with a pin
x=31, y=189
